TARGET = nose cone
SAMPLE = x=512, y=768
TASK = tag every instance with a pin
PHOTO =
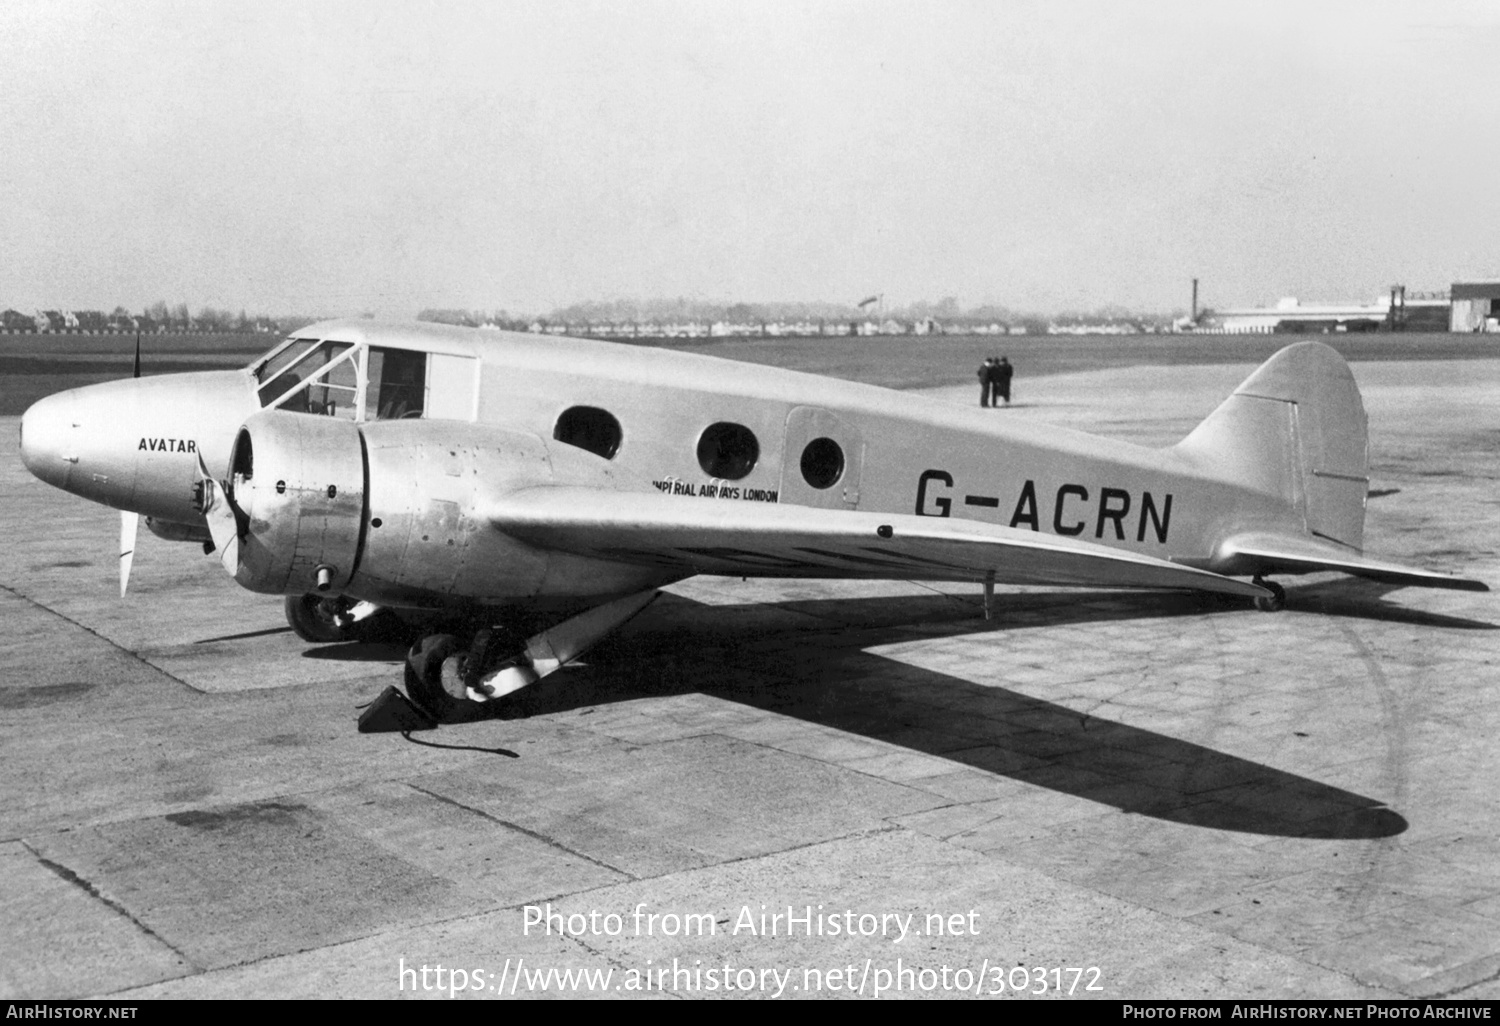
x=135, y=444
x=49, y=445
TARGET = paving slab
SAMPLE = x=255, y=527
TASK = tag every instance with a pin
x=108, y=949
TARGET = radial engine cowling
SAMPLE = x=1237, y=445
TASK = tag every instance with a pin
x=397, y=512
x=297, y=483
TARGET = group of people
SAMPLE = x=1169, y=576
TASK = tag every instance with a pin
x=994, y=381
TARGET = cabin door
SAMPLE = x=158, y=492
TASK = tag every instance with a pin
x=822, y=461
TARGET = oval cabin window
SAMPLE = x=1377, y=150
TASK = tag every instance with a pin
x=727, y=450
x=589, y=428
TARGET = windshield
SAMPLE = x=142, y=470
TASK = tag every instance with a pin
x=312, y=377
x=277, y=360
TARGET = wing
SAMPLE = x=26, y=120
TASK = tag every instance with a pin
x=750, y=539
x=1267, y=553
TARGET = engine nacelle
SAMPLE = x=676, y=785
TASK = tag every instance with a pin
x=396, y=512
x=297, y=483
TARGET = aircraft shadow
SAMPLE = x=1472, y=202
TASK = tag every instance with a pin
x=360, y=651
x=243, y=636
x=823, y=675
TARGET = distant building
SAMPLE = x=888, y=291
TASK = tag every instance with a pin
x=1291, y=313
x=1082, y=328
x=1394, y=311
x=1475, y=306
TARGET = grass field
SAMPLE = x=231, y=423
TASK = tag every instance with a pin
x=897, y=361
x=33, y=366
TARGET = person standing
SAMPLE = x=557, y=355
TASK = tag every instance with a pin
x=1003, y=373
x=987, y=381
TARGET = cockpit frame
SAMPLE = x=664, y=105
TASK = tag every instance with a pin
x=408, y=385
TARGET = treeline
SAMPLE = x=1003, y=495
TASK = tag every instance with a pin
x=476, y=318
x=946, y=311
x=155, y=318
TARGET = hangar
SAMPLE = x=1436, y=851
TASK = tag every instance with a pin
x=1466, y=306
x=1475, y=306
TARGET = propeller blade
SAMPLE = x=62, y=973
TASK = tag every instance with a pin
x=222, y=525
x=129, y=523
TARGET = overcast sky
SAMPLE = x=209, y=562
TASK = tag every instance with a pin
x=388, y=156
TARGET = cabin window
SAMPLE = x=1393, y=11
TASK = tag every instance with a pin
x=727, y=450
x=822, y=463
x=589, y=428
x=397, y=385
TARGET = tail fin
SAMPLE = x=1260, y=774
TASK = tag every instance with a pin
x=1295, y=429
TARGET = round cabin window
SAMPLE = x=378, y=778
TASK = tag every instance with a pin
x=822, y=463
x=727, y=450
x=589, y=428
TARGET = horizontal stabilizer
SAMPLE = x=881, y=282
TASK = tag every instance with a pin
x=1269, y=553
x=736, y=538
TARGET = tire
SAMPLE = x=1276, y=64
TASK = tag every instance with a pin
x=435, y=681
x=312, y=619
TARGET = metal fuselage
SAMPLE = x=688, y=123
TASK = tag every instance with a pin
x=135, y=445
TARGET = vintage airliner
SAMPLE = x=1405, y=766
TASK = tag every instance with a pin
x=505, y=479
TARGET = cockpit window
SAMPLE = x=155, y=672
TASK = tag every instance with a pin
x=361, y=382
x=311, y=377
x=283, y=356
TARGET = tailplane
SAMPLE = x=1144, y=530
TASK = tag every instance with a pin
x=1295, y=431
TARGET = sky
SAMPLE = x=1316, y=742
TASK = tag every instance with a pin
x=382, y=156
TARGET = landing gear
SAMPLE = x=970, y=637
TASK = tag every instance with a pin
x=459, y=683
x=315, y=618
x=1274, y=602
x=436, y=668
x=459, y=679
x=325, y=619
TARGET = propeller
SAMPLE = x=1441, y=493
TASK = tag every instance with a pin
x=222, y=524
x=129, y=522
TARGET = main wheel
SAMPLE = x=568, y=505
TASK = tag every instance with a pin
x=435, y=680
x=324, y=619
x=315, y=618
